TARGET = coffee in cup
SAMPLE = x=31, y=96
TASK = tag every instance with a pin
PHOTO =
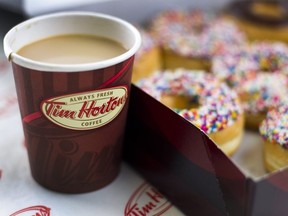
x=72, y=49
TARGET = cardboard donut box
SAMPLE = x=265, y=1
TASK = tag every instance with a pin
x=188, y=168
x=175, y=156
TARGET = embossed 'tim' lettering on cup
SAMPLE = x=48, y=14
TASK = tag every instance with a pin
x=73, y=113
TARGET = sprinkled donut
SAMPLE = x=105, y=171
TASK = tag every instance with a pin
x=274, y=130
x=261, y=93
x=201, y=99
x=248, y=60
x=148, y=42
x=191, y=38
x=147, y=58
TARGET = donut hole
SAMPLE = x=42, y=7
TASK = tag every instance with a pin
x=269, y=64
x=198, y=28
x=196, y=22
x=269, y=10
x=179, y=102
x=249, y=96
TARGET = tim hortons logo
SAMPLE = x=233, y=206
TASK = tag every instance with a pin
x=147, y=201
x=33, y=211
x=85, y=111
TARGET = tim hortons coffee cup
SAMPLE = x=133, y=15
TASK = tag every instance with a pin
x=73, y=112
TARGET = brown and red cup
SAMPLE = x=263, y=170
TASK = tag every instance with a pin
x=73, y=116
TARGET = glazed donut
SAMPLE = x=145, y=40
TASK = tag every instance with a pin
x=201, y=99
x=260, y=20
x=259, y=94
x=248, y=60
x=190, y=39
x=147, y=58
x=274, y=130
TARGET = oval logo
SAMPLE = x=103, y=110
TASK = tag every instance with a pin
x=147, y=201
x=85, y=111
x=33, y=211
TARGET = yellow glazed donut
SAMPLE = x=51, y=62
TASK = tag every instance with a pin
x=204, y=101
x=189, y=39
x=261, y=20
x=148, y=57
x=274, y=130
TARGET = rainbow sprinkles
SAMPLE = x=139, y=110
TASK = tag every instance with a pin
x=218, y=107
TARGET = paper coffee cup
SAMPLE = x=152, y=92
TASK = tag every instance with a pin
x=73, y=115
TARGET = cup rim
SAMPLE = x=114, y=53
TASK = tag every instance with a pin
x=11, y=55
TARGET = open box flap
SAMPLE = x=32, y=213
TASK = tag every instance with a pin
x=234, y=184
x=170, y=152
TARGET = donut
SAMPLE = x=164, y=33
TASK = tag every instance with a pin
x=202, y=100
x=189, y=39
x=259, y=94
x=147, y=58
x=258, y=73
x=260, y=20
x=248, y=60
x=274, y=131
